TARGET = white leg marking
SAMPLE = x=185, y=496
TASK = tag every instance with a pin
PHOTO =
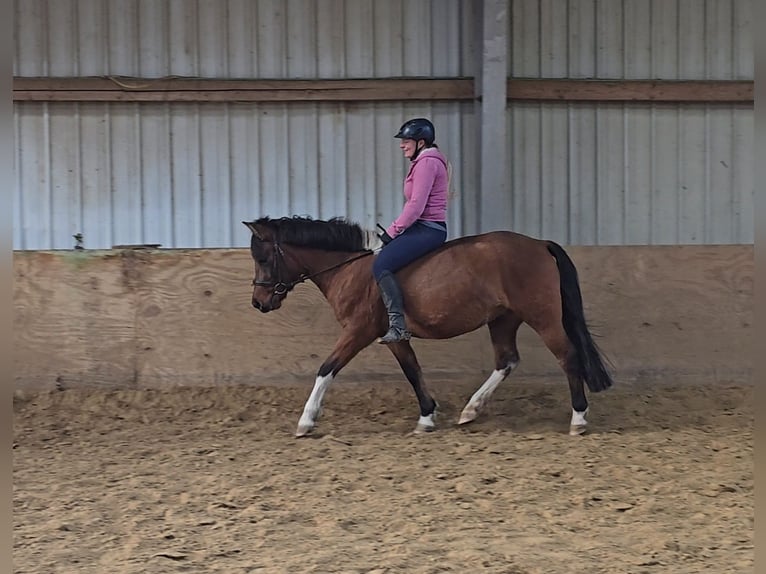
x=480, y=397
x=579, y=418
x=425, y=424
x=313, y=405
x=578, y=423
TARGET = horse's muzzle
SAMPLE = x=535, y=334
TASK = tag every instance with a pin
x=271, y=304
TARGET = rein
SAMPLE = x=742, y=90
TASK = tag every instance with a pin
x=280, y=287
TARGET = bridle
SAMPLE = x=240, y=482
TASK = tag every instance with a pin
x=281, y=287
x=278, y=287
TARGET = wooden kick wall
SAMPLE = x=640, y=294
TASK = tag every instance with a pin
x=135, y=319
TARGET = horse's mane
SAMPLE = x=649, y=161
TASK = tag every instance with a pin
x=336, y=234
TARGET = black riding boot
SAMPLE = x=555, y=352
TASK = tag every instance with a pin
x=394, y=302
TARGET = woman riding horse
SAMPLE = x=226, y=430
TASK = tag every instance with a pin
x=420, y=228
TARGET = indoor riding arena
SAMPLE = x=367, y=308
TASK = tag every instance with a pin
x=155, y=409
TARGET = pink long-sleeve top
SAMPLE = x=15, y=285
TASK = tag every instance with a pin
x=425, y=191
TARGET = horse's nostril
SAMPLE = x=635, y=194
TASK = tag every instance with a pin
x=256, y=304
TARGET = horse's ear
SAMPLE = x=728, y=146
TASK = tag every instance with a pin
x=251, y=226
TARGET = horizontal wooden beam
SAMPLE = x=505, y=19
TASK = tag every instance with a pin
x=119, y=89
x=208, y=90
x=631, y=90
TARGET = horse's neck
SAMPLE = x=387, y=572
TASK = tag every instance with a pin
x=323, y=263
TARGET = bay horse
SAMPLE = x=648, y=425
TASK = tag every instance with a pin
x=500, y=279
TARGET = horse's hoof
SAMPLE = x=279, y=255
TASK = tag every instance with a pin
x=577, y=430
x=425, y=424
x=303, y=430
x=467, y=416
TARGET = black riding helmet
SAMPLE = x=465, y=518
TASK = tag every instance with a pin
x=418, y=129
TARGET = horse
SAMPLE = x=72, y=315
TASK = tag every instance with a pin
x=500, y=279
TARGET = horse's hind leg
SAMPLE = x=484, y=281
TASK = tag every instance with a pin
x=502, y=332
x=555, y=338
x=405, y=355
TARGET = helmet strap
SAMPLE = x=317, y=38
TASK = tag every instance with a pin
x=418, y=149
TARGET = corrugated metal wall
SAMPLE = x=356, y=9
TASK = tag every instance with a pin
x=185, y=175
x=277, y=39
x=632, y=173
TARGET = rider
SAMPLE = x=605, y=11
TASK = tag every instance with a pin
x=421, y=227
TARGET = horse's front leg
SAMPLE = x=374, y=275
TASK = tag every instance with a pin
x=345, y=349
x=405, y=355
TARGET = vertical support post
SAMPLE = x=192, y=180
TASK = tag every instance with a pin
x=494, y=190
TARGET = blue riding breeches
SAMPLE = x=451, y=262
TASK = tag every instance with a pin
x=414, y=242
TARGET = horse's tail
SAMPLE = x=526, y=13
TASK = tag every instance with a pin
x=590, y=364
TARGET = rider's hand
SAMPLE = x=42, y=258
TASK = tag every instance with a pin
x=384, y=236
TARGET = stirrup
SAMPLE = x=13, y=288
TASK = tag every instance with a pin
x=395, y=335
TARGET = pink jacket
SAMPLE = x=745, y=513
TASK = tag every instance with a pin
x=425, y=191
